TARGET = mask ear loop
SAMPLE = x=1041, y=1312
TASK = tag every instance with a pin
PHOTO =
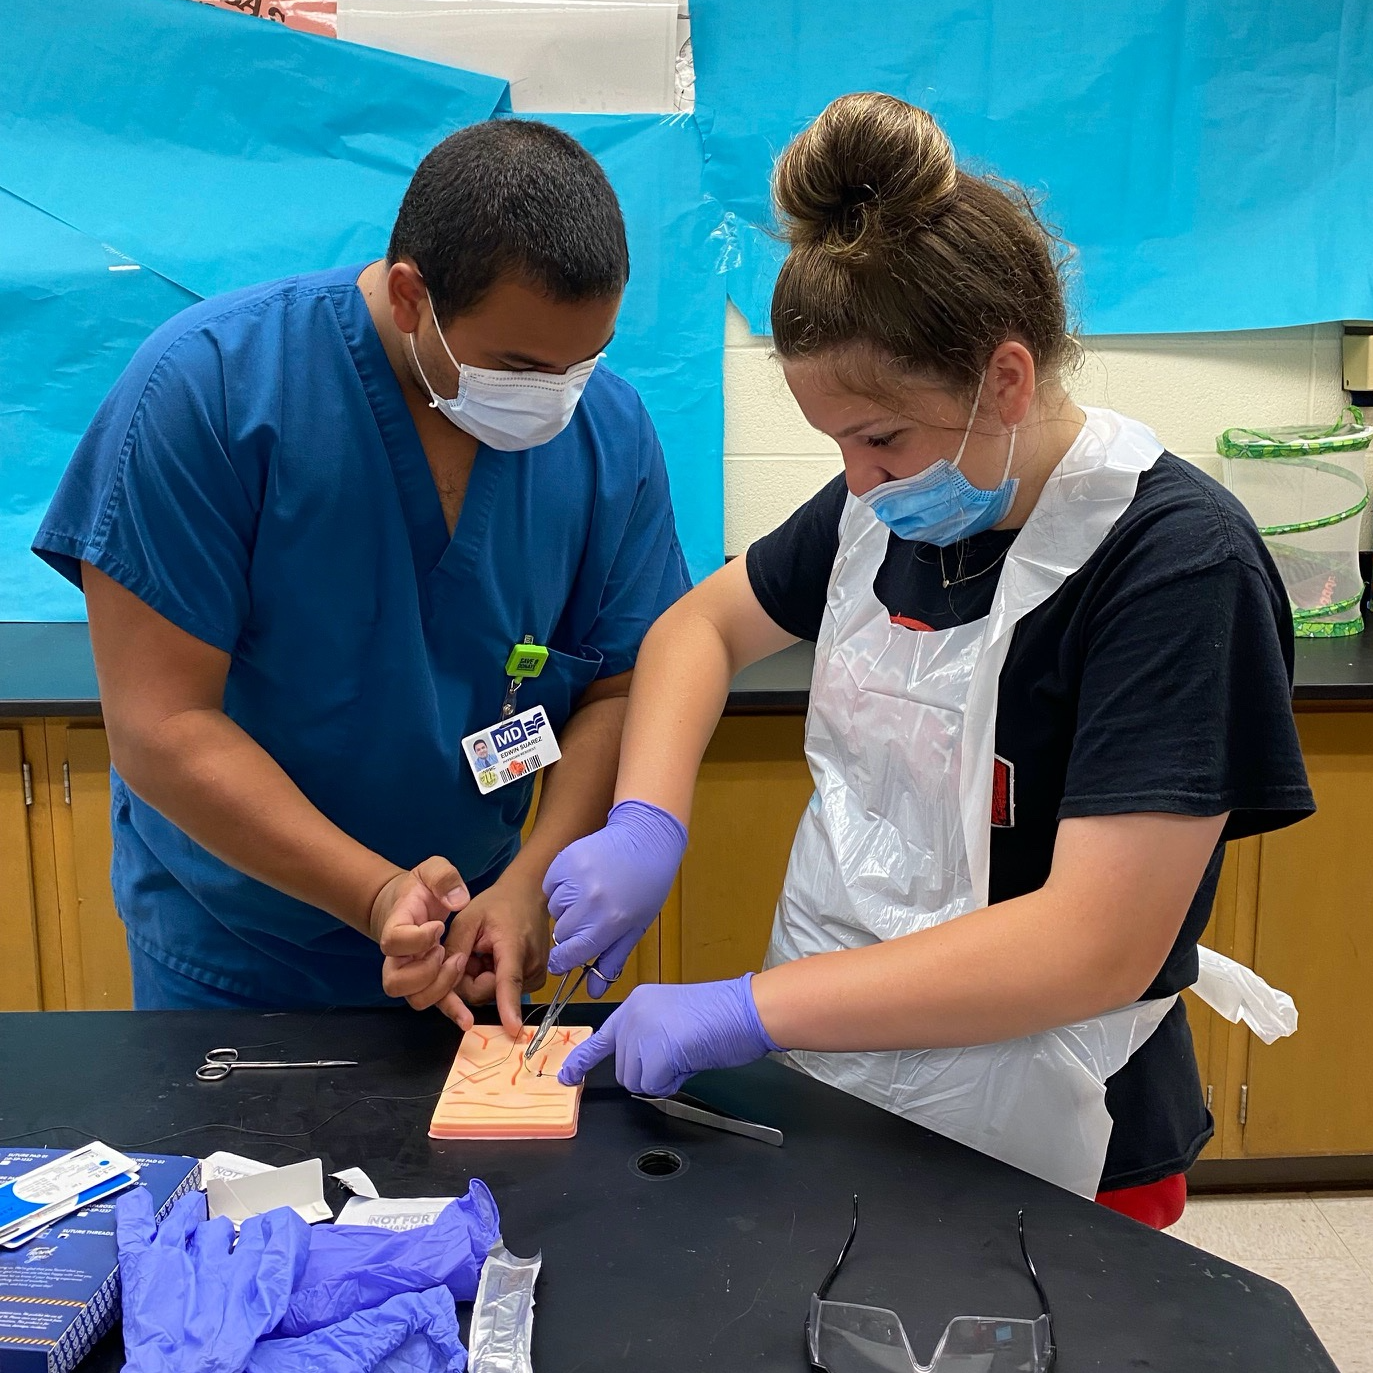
x=1010, y=453
x=428, y=385
x=438, y=330
x=967, y=433
x=414, y=352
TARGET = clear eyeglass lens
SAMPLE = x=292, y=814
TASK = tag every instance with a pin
x=846, y=1338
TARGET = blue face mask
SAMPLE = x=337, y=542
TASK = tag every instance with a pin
x=940, y=505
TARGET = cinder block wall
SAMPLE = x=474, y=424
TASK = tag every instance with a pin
x=1188, y=387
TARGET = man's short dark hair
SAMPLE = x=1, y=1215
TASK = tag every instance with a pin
x=511, y=197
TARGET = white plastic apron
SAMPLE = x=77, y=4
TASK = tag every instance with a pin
x=900, y=737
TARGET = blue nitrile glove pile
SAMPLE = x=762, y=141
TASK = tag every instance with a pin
x=287, y=1298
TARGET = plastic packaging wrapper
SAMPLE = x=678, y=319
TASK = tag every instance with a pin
x=503, y=1316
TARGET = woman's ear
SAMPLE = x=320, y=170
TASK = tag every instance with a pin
x=1011, y=382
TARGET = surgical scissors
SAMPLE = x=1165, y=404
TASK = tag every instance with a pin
x=219, y=1063
x=558, y=1005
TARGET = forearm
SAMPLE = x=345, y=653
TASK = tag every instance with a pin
x=681, y=683
x=576, y=791
x=212, y=780
x=1008, y=970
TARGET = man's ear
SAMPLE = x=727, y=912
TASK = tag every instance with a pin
x=407, y=295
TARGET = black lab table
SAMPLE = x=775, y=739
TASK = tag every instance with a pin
x=709, y=1267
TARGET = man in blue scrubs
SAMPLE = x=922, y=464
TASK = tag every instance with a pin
x=312, y=520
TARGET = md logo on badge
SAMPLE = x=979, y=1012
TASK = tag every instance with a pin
x=507, y=736
x=516, y=732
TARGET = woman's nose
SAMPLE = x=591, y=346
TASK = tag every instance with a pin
x=861, y=473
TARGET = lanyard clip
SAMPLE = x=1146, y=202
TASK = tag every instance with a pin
x=526, y=659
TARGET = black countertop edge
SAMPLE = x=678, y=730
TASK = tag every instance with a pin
x=1326, y=670
x=49, y=708
x=47, y=670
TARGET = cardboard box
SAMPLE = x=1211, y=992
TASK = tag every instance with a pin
x=59, y=1294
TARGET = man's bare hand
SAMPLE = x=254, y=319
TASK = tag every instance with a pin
x=407, y=921
x=501, y=942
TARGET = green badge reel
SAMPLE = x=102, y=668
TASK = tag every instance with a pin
x=525, y=660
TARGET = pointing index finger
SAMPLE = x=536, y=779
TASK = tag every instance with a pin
x=589, y=1053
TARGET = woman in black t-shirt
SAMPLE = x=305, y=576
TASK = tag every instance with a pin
x=1052, y=679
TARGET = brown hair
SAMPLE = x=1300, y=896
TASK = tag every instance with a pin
x=898, y=257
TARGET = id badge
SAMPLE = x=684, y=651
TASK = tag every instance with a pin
x=511, y=749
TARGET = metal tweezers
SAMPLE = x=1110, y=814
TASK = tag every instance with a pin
x=684, y=1107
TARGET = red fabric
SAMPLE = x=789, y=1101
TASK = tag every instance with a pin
x=1157, y=1204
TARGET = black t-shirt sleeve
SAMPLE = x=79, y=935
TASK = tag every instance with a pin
x=789, y=569
x=1185, y=704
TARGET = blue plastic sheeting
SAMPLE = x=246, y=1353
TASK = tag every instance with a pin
x=211, y=153
x=1210, y=162
x=207, y=151
x=219, y=153
x=71, y=314
x=670, y=337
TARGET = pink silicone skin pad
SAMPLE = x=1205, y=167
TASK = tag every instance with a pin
x=492, y=1093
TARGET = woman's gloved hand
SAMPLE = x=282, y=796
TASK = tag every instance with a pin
x=664, y=1034
x=604, y=891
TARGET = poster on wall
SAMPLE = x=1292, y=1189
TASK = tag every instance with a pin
x=308, y=16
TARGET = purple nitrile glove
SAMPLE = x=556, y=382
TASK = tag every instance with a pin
x=664, y=1034
x=195, y=1300
x=604, y=891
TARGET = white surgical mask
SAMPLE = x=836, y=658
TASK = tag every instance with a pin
x=508, y=411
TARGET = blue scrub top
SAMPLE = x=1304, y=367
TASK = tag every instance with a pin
x=255, y=477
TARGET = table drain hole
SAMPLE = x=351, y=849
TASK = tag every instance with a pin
x=658, y=1163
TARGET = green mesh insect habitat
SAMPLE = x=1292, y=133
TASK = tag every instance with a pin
x=1305, y=487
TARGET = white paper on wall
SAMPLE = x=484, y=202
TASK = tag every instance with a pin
x=578, y=56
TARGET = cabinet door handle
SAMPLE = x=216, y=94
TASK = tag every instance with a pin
x=28, y=784
x=67, y=783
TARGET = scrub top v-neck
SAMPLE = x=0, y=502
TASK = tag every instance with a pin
x=435, y=550
x=256, y=478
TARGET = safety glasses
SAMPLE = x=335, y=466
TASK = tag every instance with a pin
x=842, y=1337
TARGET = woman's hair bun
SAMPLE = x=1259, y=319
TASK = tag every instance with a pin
x=868, y=172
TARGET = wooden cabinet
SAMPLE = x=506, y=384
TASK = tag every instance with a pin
x=95, y=959
x=20, y=980
x=1296, y=905
x=753, y=786
x=62, y=944
x=1313, y=937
